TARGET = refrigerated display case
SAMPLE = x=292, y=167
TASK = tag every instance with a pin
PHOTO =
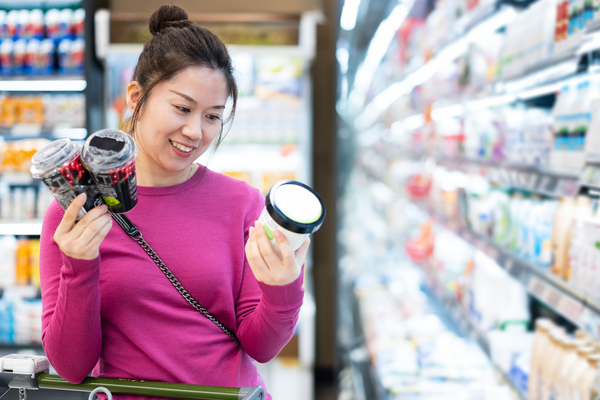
x=46, y=63
x=485, y=135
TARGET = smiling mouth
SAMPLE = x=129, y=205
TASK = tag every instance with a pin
x=181, y=147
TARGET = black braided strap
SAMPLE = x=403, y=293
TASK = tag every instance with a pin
x=136, y=235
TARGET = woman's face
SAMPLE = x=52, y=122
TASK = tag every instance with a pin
x=180, y=119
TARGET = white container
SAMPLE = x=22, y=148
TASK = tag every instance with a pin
x=294, y=209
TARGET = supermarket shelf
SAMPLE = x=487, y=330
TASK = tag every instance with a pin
x=12, y=348
x=43, y=84
x=543, y=180
x=553, y=291
x=32, y=131
x=469, y=328
x=33, y=228
x=366, y=380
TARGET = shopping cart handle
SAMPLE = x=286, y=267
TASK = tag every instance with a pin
x=165, y=390
x=25, y=372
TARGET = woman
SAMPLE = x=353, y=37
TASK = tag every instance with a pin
x=107, y=306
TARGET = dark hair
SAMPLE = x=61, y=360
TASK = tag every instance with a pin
x=178, y=43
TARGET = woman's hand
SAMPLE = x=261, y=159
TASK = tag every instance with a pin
x=269, y=267
x=82, y=239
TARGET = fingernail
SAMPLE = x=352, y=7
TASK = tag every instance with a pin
x=104, y=207
x=251, y=231
x=82, y=197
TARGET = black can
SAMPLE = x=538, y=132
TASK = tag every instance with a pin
x=109, y=155
x=60, y=169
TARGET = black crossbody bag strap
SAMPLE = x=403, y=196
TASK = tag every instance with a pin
x=136, y=235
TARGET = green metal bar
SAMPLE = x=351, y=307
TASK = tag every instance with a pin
x=142, y=388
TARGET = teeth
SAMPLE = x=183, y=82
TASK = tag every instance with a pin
x=181, y=147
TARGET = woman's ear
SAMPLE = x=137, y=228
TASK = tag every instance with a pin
x=134, y=93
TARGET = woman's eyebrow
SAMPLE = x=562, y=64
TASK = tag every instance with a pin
x=188, y=98
x=185, y=96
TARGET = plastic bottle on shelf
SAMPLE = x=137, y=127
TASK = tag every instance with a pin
x=3, y=33
x=501, y=216
x=32, y=57
x=588, y=13
x=78, y=22
x=22, y=24
x=562, y=24
x=65, y=23
x=561, y=127
x=550, y=362
x=588, y=93
x=542, y=233
x=516, y=203
x=12, y=20
x=6, y=57
x=77, y=55
x=8, y=261
x=526, y=224
x=23, y=267
x=65, y=62
x=36, y=24
x=19, y=51
x=578, y=371
x=51, y=20
x=590, y=257
x=34, y=262
x=554, y=384
x=587, y=378
x=541, y=344
x=566, y=366
x=575, y=272
x=576, y=30
x=563, y=221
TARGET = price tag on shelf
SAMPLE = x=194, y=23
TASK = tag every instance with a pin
x=538, y=183
x=567, y=188
x=549, y=185
x=26, y=130
x=565, y=305
x=570, y=308
x=553, y=297
x=537, y=288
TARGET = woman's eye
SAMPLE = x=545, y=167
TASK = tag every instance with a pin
x=213, y=117
x=183, y=109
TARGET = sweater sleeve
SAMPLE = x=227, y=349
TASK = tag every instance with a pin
x=71, y=327
x=266, y=315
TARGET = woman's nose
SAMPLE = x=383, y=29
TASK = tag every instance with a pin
x=193, y=129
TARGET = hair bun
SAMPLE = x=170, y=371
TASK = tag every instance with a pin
x=167, y=16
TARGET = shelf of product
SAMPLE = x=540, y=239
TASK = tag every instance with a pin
x=486, y=302
x=20, y=306
x=36, y=42
x=546, y=244
x=415, y=352
x=42, y=115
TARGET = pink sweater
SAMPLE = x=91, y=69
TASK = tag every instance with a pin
x=119, y=316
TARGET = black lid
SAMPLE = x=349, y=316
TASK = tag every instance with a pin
x=286, y=222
